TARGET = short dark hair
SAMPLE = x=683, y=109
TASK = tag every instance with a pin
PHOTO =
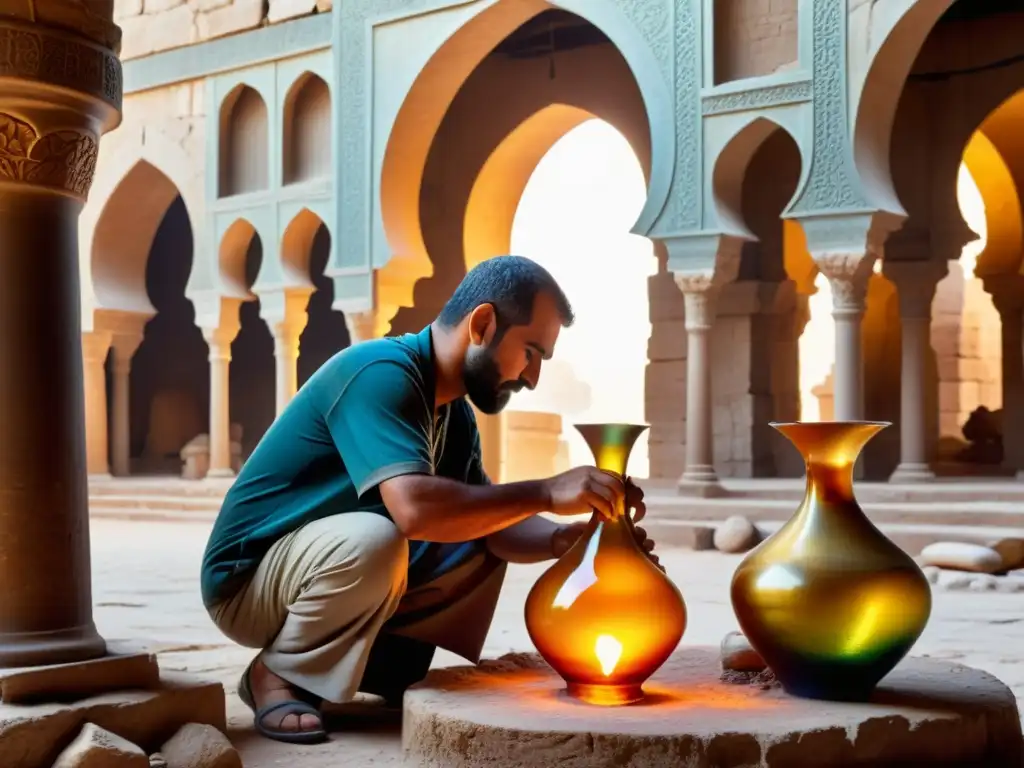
x=510, y=284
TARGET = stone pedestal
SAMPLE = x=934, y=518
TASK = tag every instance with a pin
x=58, y=93
x=512, y=713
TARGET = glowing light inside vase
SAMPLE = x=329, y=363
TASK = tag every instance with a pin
x=608, y=651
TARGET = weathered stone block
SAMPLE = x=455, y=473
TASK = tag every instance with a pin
x=96, y=748
x=60, y=682
x=289, y=9
x=237, y=17
x=143, y=35
x=200, y=746
x=31, y=736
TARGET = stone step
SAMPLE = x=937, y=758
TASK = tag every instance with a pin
x=944, y=512
x=160, y=486
x=911, y=538
x=144, y=514
x=184, y=503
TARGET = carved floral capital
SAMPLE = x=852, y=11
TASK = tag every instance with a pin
x=848, y=274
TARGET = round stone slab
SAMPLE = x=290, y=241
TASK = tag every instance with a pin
x=513, y=713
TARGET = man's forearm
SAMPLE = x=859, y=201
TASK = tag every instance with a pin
x=431, y=508
x=529, y=541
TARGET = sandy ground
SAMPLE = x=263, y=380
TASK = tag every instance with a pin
x=146, y=591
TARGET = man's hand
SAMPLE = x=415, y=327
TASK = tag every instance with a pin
x=583, y=489
x=566, y=535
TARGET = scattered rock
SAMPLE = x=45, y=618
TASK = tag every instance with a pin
x=200, y=746
x=738, y=655
x=1011, y=551
x=97, y=748
x=736, y=534
x=983, y=583
x=959, y=556
x=932, y=573
x=765, y=679
x=954, y=581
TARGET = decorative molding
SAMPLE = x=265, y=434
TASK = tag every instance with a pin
x=53, y=58
x=225, y=54
x=833, y=184
x=63, y=159
x=687, y=183
x=757, y=98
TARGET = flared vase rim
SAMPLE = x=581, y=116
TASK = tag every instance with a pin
x=635, y=425
x=852, y=423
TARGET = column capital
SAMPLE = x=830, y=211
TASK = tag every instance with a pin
x=219, y=340
x=362, y=326
x=848, y=273
x=915, y=283
x=96, y=346
x=58, y=93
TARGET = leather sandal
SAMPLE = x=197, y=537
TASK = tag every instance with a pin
x=285, y=708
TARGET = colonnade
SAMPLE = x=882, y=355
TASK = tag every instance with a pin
x=286, y=329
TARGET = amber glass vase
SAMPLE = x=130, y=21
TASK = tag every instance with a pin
x=604, y=616
x=828, y=601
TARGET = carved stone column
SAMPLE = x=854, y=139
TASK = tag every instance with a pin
x=1008, y=297
x=284, y=312
x=915, y=282
x=848, y=275
x=699, y=476
x=123, y=347
x=95, y=347
x=219, y=341
x=58, y=93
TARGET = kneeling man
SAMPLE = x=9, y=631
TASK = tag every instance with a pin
x=362, y=532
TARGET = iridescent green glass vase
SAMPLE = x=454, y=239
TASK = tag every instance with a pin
x=828, y=601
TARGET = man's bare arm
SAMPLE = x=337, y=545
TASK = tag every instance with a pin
x=431, y=508
x=528, y=541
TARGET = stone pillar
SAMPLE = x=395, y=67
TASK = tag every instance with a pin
x=915, y=282
x=122, y=349
x=95, y=347
x=1008, y=297
x=284, y=312
x=848, y=275
x=699, y=477
x=286, y=361
x=58, y=93
x=219, y=341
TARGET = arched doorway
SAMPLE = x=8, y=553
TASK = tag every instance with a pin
x=156, y=393
x=325, y=333
x=574, y=218
x=252, y=375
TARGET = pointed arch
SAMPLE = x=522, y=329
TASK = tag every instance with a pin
x=232, y=257
x=730, y=170
x=297, y=247
x=244, y=142
x=123, y=237
x=306, y=136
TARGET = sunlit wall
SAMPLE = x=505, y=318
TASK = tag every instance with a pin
x=575, y=218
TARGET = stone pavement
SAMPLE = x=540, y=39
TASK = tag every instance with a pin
x=146, y=589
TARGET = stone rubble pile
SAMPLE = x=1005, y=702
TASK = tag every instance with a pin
x=193, y=746
x=959, y=566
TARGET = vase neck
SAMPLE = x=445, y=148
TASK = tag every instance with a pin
x=830, y=482
x=620, y=529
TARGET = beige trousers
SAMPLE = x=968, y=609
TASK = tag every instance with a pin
x=323, y=593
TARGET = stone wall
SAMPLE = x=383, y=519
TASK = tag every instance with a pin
x=150, y=26
x=754, y=37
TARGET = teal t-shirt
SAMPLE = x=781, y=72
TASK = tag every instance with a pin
x=366, y=416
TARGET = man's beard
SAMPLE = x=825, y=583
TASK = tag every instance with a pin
x=484, y=386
